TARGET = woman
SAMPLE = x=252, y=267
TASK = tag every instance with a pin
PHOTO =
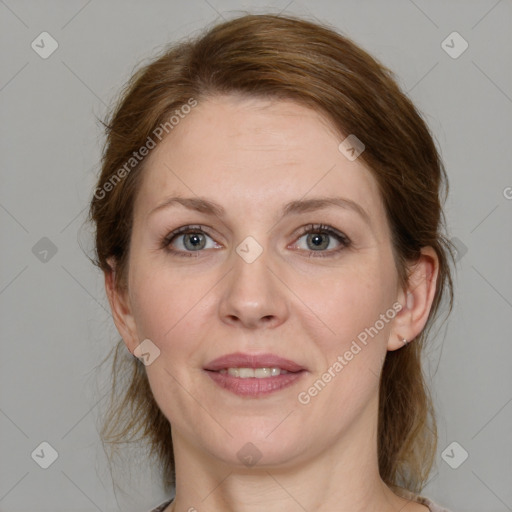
x=269, y=223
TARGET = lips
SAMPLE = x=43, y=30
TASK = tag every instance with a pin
x=240, y=360
x=229, y=372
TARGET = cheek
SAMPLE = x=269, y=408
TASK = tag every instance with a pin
x=346, y=303
x=359, y=311
x=167, y=311
x=348, y=378
x=165, y=304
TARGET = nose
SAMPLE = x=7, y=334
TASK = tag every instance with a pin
x=253, y=295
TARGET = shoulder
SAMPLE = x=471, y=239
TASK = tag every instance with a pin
x=422, y=500
x=434, y=507
x=161, y=507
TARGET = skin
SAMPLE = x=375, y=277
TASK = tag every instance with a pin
x=252, y=156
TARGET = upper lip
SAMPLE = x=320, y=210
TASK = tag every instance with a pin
x=240, y=360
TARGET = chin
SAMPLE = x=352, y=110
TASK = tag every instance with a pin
x=256, y=449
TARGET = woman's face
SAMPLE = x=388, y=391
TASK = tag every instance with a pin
x=247, y=279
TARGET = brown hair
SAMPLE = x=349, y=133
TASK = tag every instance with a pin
x=284, y=57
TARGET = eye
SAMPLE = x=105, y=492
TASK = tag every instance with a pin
x=319, y=237
x=186, y=240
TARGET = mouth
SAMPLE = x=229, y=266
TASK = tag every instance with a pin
x=252, y=375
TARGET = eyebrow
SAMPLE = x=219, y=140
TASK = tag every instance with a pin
x=298, y=206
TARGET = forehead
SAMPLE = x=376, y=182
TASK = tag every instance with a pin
x=254, y=155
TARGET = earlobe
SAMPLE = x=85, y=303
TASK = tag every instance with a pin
x=417, y=300
x=121, y=309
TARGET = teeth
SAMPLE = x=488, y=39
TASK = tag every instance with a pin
x=258, y=373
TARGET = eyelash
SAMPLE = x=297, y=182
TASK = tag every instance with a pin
x=311, y=228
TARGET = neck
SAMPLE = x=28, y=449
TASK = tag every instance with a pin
x=344, y=478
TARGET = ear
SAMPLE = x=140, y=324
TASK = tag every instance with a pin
x=121, y=309
x=416, y=299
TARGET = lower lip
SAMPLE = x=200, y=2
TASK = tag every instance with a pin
x=252, y=386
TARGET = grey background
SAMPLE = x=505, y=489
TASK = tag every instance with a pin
x=55, y=323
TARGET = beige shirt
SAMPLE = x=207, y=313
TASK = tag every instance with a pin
x=434, y=507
